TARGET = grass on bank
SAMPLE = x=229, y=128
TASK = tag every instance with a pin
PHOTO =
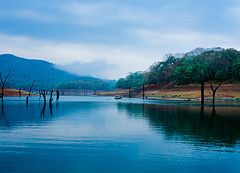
x=226, y=91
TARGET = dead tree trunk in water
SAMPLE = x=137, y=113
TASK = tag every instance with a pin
x=40, y=94
x=50, y=102
x=19, y=92
x=51, y=98
x=3, y=81
x=43, y=93
x=29, y=93
x=27, y=100
x=57, y=95
x=214, y=90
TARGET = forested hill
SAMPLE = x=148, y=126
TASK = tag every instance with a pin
x=46, y=76
x=201, y=65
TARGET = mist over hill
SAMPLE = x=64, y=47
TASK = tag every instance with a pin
x=97, y=68
x=46, y=75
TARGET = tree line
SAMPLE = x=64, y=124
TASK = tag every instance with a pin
x=212, y=67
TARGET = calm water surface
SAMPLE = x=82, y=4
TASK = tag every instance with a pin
x=100, y=134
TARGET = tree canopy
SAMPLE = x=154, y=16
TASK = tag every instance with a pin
x=133, y=80
x=209, y=66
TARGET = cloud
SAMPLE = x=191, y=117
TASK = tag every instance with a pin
x=234, y=12
x=129, y=34
x=28, y=14
x=183, y=40
x=126, y=59
x=120, y=59
x=98, y=68
x=101, y=13
x=33, y=15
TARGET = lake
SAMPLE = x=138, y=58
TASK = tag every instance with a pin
x=100, y=134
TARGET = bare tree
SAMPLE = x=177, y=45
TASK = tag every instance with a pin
x=214, y=89
x=51, y=98
x=43, y=93
x=30, y=90
x=219, y=71
x=40, y=94
x=50, y=102
x=3, y=81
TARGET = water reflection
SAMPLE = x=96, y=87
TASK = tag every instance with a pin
x=3, y=119
x=218, y=126
x=16, y=113
x=13, y=114
x=43, y=110
x=102, y=136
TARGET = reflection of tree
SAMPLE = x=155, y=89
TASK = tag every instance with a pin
x=211, y=120
x=51, y=109
x=57, y=105
x=3, y=118
x=16, y=114
x=2, y=108
x=43, y=110
x=190, y=123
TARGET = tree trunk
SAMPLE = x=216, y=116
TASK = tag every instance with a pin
x=59, y=94
x=202, y=93
x=129, y=95
x=3, y=83
x=214, y=90
x=43, y=93
x=44, y=98
x=29, y=94
x=19, y=93
x=143, y=94
x=213, y=99
x=2, y=94
x=51, y=98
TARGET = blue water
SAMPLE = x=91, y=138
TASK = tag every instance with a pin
x=100, y=134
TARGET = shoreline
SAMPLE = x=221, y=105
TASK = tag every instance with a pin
x=228, y=93
x=149, y=100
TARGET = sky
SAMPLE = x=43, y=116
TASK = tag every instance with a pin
x=109, y=38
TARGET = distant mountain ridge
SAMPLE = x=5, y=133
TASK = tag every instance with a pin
x=24, y=71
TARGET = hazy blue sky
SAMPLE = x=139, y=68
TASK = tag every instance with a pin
x=123, y=35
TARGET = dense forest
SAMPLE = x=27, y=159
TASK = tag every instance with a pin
x=93, y=84
x=213, y=66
